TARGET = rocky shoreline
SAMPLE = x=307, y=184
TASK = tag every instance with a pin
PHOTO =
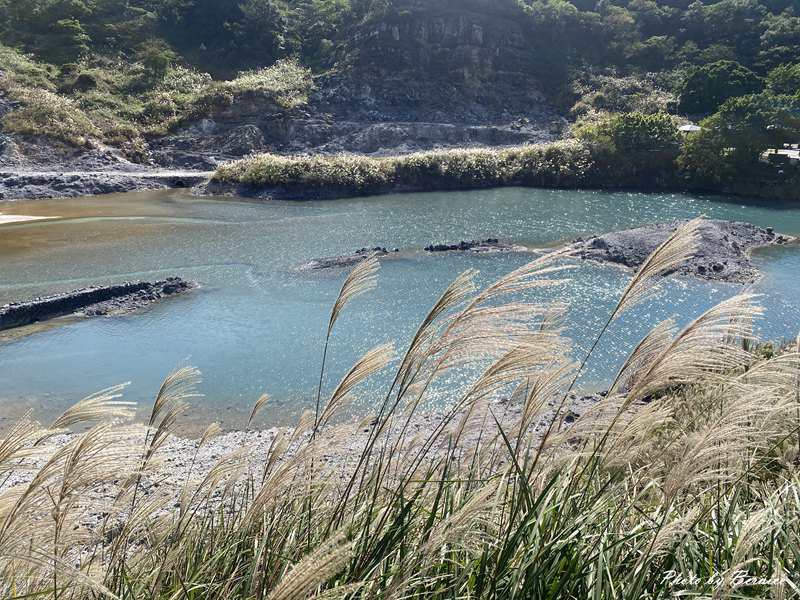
x=723, y=251
x=18, y=185
x=183, y=460
x=92, y=301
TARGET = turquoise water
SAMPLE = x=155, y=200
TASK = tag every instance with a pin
x=257, y=325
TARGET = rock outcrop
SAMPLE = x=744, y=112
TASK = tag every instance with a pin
x=345, y=260
x=467, y=59
x=723, y=252
x=452, y=73
x=421, y=76
x=59, y=184
x=476, y=246
x=486, y=246
x=92, y=301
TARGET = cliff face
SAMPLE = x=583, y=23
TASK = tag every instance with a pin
x=463, y=57
x=423, y=74
x=470, y=42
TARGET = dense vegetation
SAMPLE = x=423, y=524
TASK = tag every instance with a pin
x=624, y=150
x=682, y=480
x=122, y=70
x=120, y=103
x=548, y=165
x=226, y=36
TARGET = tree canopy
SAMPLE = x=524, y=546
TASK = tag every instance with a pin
x=230, y=35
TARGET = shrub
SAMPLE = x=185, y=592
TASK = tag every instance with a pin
x=633, y=148
x=351, y=172
x=608, y=93
x=561, y=163
x=47, y=113
x=17, y=69
x=449, y=169
x=188, y=82
x=566, y=163
x=286, y=82
x=120, y=103
x=156, y=57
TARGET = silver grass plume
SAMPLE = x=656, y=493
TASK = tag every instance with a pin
x=257, y=408
x=170, y=404
x=704, y=349
x=99, y=406
x=373, y=361
x=680, y=246
x=315, y=569
x=363, y=278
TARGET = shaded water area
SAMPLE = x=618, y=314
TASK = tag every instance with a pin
x=257, y=325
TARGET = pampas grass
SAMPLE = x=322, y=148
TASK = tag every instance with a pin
x=557, y=164
x=677, y=481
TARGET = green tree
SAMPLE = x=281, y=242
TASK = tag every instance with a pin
x=732, y=140
x=785, y=80
x=707, y=87
x=157, y=57
x=633, y=147
x=65, y=42
x=729, y=22
x=780, y=41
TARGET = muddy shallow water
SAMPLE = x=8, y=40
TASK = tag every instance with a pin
x=257, y=325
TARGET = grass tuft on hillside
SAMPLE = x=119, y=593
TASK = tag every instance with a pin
x=123, y=103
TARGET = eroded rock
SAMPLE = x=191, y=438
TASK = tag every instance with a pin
x=723, y=251
x=345, y=260
x=477, y=246
x=92, y=301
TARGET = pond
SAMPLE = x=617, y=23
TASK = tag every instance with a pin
x=257, y=325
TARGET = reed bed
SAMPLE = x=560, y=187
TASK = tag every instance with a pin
x=558, y=164
x=682, y=479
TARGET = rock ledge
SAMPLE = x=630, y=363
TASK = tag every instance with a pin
x=92, y=301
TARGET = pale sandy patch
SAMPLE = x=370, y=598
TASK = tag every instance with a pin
x=6, y=219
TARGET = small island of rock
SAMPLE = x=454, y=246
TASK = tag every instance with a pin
x=723, y=250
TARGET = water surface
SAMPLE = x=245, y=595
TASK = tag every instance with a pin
x=257, y=325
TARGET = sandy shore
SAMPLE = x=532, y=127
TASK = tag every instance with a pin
x=7, y=219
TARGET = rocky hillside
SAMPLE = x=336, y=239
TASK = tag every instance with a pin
x=460, y=75
x=133, y=84
x=464, y=60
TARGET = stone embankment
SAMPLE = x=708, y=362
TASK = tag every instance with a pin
x=69, y=184
x=92, y=301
